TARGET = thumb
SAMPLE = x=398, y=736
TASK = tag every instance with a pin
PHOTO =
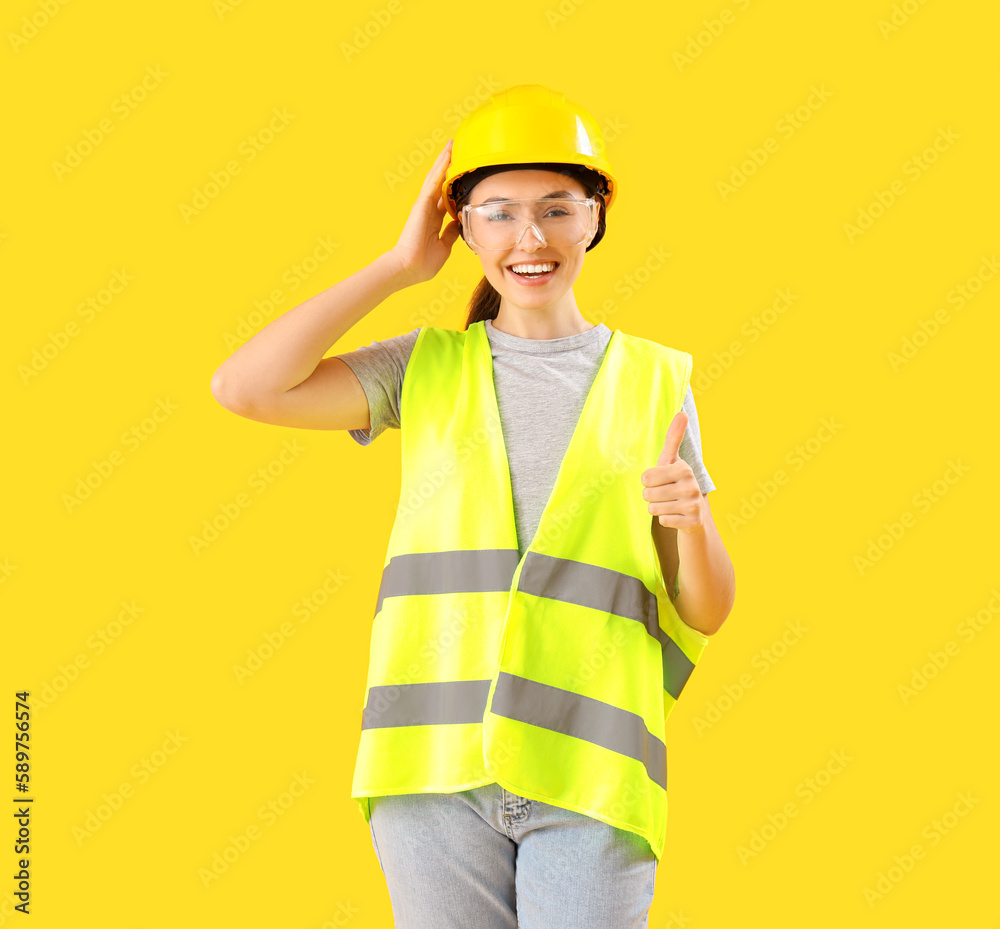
x=675, y=434
x=451, y=233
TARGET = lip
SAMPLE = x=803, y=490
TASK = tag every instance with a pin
x=538, y=281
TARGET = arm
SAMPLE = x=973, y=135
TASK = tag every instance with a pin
x=704, y=574
x=286, y=351
x=280, y=375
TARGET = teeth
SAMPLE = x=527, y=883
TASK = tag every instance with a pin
x=533, y=269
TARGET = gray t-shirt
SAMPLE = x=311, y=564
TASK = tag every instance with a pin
x=541, y=386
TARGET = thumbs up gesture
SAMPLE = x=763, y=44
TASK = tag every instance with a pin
x=671, y=488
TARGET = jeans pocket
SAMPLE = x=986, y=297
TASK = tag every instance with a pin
x=378, y=857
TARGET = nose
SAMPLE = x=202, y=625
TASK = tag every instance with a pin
x=530, y=239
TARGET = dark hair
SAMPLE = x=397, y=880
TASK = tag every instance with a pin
x=485, y=301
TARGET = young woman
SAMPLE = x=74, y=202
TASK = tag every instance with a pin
x=554, y=571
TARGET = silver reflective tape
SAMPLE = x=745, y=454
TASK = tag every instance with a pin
x=582, y=717
x=611, y=592
x=428, y=704
x=486, y=569
x=492, y=569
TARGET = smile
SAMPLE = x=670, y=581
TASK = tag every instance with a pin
x=533, y=272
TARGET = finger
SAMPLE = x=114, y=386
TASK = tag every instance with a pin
x=433, y=177
x=672, y=444
x=451, y=233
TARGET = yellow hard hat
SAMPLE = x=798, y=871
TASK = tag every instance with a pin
x=527, y=124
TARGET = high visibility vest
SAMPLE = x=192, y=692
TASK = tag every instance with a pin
x=550, y=673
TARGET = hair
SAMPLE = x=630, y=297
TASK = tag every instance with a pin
x=485, y=300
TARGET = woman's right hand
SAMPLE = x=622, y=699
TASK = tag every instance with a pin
x=421, y=251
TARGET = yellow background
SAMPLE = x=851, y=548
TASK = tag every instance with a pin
x=676, y=129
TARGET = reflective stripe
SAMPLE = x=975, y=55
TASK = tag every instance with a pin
x=589, y=585
x=492, y=569
x=526, y=701
x=583, y=718
x=611, y=592
x=448, y=572
x=677, y=667
x=425, y=704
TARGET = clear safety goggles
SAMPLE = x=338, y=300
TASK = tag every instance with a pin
x=501, y=224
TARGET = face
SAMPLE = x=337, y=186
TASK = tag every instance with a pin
x=518, y=184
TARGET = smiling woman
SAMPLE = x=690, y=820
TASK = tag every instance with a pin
x=578, y=219
x=553, y=573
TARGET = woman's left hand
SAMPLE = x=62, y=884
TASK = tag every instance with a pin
x=671, y=489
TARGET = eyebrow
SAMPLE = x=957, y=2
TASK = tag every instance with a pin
x=554, y=194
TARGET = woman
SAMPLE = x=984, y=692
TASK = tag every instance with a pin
x=553, y=573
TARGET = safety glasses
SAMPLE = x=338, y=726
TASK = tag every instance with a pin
x=500, y=224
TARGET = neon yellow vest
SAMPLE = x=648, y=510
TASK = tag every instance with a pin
x=552, y=673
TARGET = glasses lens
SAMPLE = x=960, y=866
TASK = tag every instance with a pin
x=498, y=225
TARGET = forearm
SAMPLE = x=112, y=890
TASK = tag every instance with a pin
x=288, y=349
x=706, y=580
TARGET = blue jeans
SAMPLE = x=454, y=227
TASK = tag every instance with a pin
x=489, y=859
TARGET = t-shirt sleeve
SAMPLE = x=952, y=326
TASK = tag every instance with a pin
x=380, y=367
x=690, y=449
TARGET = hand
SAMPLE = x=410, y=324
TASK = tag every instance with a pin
x=674, y=495
x=419, y=250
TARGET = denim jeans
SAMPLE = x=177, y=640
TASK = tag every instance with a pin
x=486, y=858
